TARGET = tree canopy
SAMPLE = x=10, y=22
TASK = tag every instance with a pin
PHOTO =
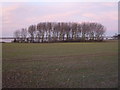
x=61, y=32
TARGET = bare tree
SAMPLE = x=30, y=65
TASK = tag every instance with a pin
x=79, y=30
x=43, y=31
x=23, y=34
x=99, y=32
x=31, y=31
x=84, y=30
x=17, y=36
x=63, y=31
x=57, y=30
x=67, y=31
x=49, y=27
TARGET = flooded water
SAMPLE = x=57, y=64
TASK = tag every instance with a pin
x=6, y=40
x=10, y=40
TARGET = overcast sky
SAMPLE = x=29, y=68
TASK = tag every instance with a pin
x=21, y=15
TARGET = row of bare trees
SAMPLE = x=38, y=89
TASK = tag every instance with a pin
x=60, y=31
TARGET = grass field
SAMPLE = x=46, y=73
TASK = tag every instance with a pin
x=60, y=65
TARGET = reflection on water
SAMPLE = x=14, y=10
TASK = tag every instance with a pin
x=6, y=40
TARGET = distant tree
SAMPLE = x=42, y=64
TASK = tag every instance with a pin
x=23, y=34
x=99, y=31
x=57, y=29
x=67, y=31
x=39, y=32
x=41, y=28
x=43, y=31
x=17, y=35
x=31, y=31
x=84, y=30
x=79, y=28
x=63, y=31
x=49, y=28
x=63, y=27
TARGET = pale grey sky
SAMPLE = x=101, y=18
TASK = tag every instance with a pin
x=20, y=15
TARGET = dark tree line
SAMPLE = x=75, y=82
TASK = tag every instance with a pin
x=60, y=32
